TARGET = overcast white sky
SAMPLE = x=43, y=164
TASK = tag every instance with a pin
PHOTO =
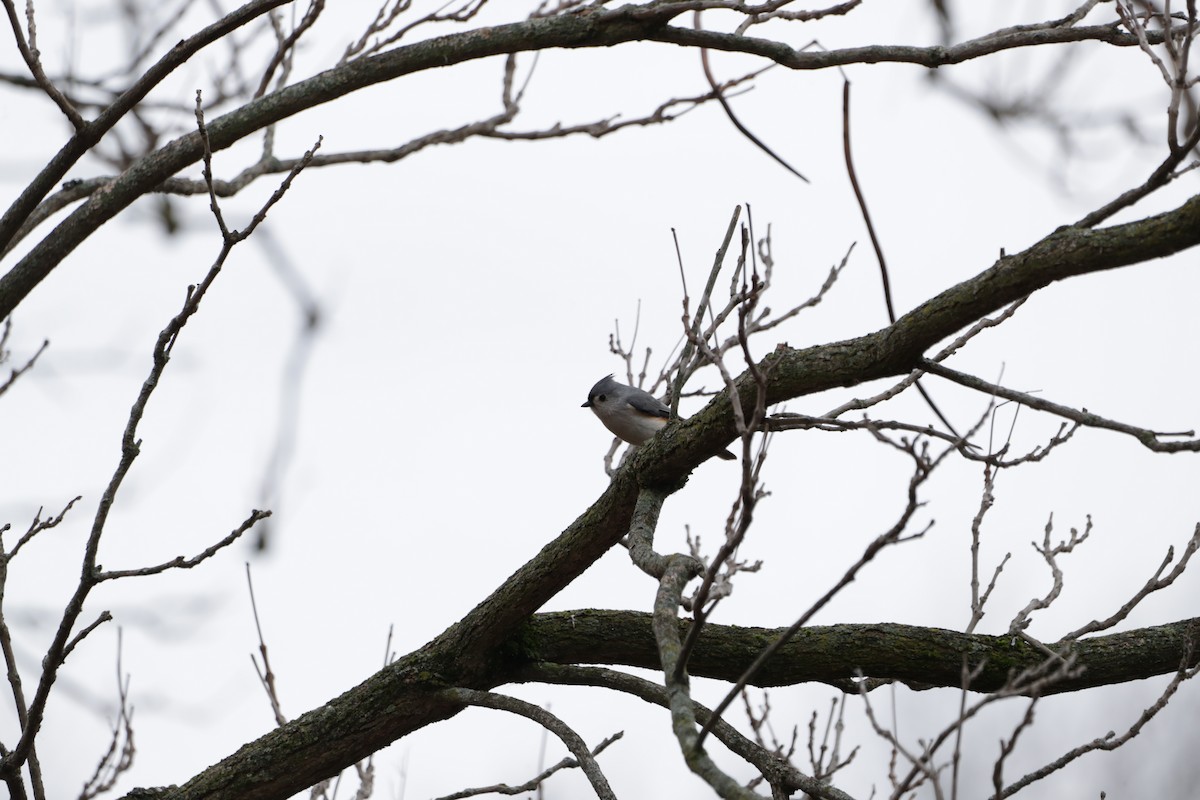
x=467, y=296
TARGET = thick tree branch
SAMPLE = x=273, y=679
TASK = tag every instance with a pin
x=919, y=656
x=352, y=726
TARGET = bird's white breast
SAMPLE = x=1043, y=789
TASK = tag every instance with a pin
x=628, y=423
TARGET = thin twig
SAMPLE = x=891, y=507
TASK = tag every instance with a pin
x=697, y=320
x=1154, y=584
x=266, y=676
x=728, y=109
x=17, y=372
x=118, y=758
x=180, y=562
x=32, y=57
x=866, y=215
x=534, y=783
x=1148, y=438
x=1109, y=741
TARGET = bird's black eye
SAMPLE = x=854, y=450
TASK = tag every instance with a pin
x=601, y=398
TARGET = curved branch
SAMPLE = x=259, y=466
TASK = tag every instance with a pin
x=592, y=28
x=542, y=717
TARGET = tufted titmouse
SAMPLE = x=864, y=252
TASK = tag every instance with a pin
x=632, y=414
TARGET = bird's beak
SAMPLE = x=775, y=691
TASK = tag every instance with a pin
x=588, y=404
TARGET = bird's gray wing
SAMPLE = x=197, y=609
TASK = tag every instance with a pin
x=649, y=404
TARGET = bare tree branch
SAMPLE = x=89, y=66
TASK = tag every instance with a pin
x=1156, y=583
x=1109, y=741
x=16, y=372
x=29, y=52
x=570, y=738
x=118, y=758
x=1150, y=439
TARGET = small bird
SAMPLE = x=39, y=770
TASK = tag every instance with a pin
x=632, y=414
